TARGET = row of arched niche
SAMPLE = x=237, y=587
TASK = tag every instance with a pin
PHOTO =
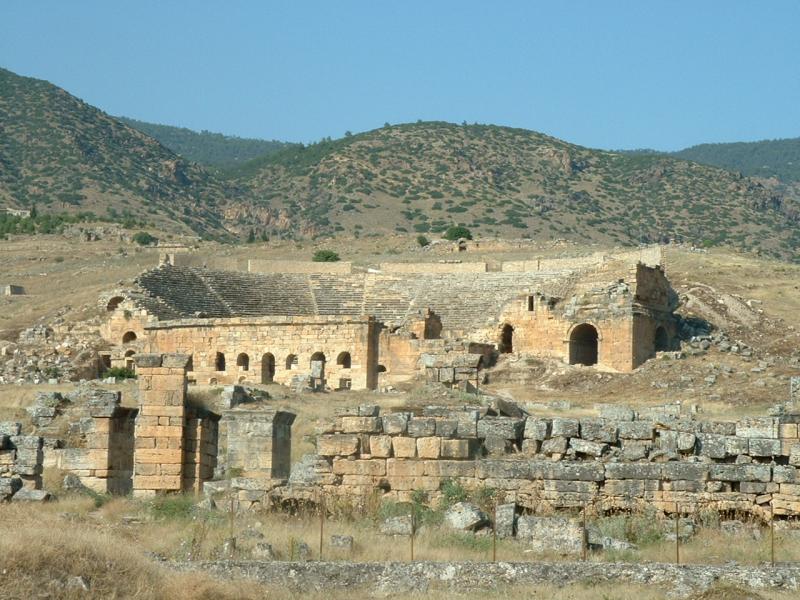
x=343, y=360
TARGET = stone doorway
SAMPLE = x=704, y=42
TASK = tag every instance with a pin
x=583, y=345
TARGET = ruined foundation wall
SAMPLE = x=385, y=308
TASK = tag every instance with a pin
x=281, y=337
x=618, y=461
x=434, y=267
x=258, y=265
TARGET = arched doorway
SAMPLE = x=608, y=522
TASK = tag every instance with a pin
x=129, y=337
x=267, y=368
x=506, y=344
x=661, y=340
x=243, y=362
x=583, y=345
x=317, y=370
x=219, y=362
x=130, y=363
x=291, y=362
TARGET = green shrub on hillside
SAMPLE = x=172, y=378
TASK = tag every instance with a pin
x=457, y=232
x=325, y=256
x=145, y=239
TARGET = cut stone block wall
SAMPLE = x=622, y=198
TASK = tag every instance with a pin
x=434, y=267
x=257, y=265
x=619, y=460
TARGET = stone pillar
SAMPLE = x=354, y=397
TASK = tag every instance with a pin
x=160, y=425
x=259, y=443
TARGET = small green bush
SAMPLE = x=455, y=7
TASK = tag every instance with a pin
x=422, y=241
x=452, y=493
x=325, y=256
x=119, y=373
x=145, y=239
x=457, y=232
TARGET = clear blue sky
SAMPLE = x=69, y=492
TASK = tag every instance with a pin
x=611, y=74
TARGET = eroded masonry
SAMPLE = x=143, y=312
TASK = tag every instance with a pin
x=347, y=330
x=241, y=447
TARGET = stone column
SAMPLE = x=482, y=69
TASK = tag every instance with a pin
x=160, y=425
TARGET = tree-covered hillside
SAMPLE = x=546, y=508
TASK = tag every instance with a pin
x=768, y=158
x=205, y=147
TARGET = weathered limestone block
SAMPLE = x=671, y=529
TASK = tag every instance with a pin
x=686, y=441
x=788, y=430
x=730, y=472
x=509, y=428
x=635, y=430
x=594, y=471
x=550, y=534
x=446, y=428
x=623, y=470
x=586, y=447
x=752, y=487
x=449, y=468
x=429, y=447
x=404, y=447
x=10, y=428
x=537, y=429
x=794, y=455
x=9, y=486
x=380, y=446
x=456, y=449
x=368, y=410
x=467, y=424
x=630, y=488
x=402, y=525
x=563, y=486
x=395, y=423
x=555, y=445
x=635, y=449
x=617, y=413
x=369, y=467
x=758, y=427
x=735, y=446
x=599, y=430
x=718, y=427
x=711, y=445
x=764, y=447
x=784, y=474
x=496, y=445
x=148, y=360
x=337, y=444
x=506, y=469
x=362, y=424
x=675, y=471
x=564, y=427
x=682, y=485
x=464, y=516
x=422, y=427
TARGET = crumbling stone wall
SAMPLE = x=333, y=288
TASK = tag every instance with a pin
x=434, y=267
x=619, y=460
x=259, y=265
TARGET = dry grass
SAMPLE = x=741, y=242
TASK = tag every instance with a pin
x=43, y=547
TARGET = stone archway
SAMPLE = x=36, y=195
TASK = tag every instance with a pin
x=583, y=343
x=267, y=368
x=661, y=340
x=506, y=344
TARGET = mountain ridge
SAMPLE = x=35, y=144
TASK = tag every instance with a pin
x=418, y=178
